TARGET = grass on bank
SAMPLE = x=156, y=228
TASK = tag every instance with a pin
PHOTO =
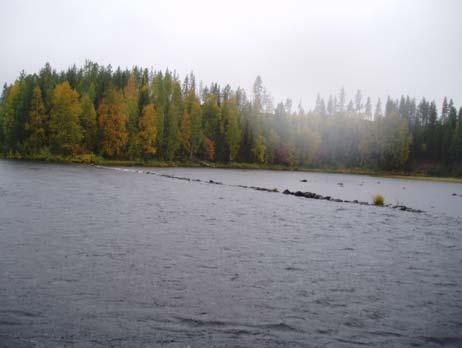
x=95, y=159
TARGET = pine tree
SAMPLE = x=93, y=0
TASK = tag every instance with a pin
x=160, y=99
x=273, y=143
x=88, y=122
x=185, y=133
x=330, y=106
x=378, y=110
x=444, y=110
x=394, y=141
x=457, y=141
x=197, y=135
x=232, y=129
x=37, y=124
x=157, y=115
x=173, y=119
x=131, y=99
x=258, y=91
x=350, y=107
x=358, y=102
x=341, y=100
x=448, y=151
x=368, y=109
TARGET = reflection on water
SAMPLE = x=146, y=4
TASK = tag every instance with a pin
x=96, y=258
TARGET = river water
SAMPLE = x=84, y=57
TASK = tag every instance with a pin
x=98, y=257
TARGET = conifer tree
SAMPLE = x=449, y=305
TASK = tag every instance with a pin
x=89, y=124
x=197, y=135
x=232, y=129
x=185, y=136
x=37, y=123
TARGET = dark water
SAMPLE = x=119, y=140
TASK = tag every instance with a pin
x=92, y=257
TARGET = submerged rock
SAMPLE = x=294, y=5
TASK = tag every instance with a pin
x=263, y=189
x=303, y=180
x=215, y=182
x=401, y=207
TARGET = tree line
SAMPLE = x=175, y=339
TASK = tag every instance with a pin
x=138, y=114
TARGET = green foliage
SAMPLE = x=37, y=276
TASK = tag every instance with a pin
x=197, y=136
x=394, y=141
x=151, y=116
x=88, y=122
x=232, y=128
x=37, y=124
x=173, y=132
x=9, y=118
x=65, y=130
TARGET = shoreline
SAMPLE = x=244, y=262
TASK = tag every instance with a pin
x=96, y=160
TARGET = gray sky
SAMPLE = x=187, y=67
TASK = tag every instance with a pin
x=299, y=48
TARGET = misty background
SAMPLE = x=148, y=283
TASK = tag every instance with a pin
x=300, y=48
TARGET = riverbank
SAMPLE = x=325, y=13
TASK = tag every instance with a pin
x=93, y=159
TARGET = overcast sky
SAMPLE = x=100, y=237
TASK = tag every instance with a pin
x=299, y=48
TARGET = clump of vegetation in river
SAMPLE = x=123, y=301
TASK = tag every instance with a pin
x=378, y=200
x=95, y=113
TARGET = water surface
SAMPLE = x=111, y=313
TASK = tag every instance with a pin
x=94, y=257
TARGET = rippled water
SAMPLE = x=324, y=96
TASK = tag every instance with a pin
x=92, y=257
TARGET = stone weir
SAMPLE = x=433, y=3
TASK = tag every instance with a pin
x=309, y=195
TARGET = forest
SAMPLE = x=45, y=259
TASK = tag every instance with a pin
x=144, y=115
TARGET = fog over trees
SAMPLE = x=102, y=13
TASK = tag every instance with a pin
x=141, y=114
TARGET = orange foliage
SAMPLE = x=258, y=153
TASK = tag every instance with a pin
x=148, y=131
x=210, y=149
x=112, y=121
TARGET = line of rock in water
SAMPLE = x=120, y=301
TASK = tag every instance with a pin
x=313, y=195
x=310, y=195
